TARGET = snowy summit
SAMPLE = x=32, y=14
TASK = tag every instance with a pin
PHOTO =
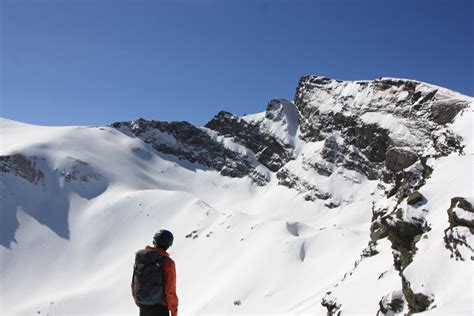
x=354, y=198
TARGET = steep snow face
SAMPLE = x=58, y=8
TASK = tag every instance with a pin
x=262, y=206
x=280, y=120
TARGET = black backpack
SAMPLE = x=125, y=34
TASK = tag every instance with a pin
x=147, y=280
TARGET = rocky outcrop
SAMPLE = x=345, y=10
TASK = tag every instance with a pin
x=77, y=170
x=268, y=150
x=398, y=159
x=190, y=143
x=414, y=198
x=444, y=111
x=309, y=191
x=458, y=236
x=382, y=126
x=403, y=234
x=408, y=181
x=22, y=166
x=392, y=304
x=331, y=304
x=417, y=302
x=322, y=167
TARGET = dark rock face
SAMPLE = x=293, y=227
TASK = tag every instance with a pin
x=311, y=192
x=463, y=204
x=331, y=107
x=192, y=144
x=461, y=220
x=372, y=140
x=377, y=229
x=398, y=159
x=268, y=150
x=443, y=112
x=417, y=302
x=406, y=182
x=392, y=304
x=331, y=304
x=21, y=166
x=414, y=198
x=403, y=235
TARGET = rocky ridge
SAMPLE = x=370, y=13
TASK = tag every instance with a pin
x=386, y=129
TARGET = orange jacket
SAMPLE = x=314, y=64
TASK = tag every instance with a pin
x=169, y=275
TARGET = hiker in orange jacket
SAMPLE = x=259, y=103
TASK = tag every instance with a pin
x=154, y=278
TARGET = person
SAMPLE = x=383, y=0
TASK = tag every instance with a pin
x=154, y=278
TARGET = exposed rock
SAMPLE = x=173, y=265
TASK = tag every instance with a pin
x=373, y=146
x=331, y=151
x=454, y=217
x=370, y=250
x=392, y=304
x=378, y=231
x=371, y=139
x=190, y=143
x=323, y=168
x=417, y=302
x=458, y=236
x=310, y=191
x=446, y=142
x=77, y=170
x=331, y=304
x=400, y=158
x=403, y=235
x=408, y=181
x=269, y=151
x=332, y=203
x=414, y=198
x=22, y=166
x=444, y=111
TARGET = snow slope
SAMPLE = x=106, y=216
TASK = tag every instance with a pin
x=77, y=202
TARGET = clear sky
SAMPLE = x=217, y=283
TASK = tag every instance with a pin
x=96, y=62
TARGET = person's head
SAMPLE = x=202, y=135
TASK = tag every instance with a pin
x=163, y=239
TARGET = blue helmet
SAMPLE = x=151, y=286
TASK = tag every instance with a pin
x=163, y=239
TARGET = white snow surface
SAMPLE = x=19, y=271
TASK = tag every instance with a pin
x=264, y=247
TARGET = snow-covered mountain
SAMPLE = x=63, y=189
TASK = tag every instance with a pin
x=355, y=198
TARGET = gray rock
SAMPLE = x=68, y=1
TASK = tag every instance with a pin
x=403, y=235
x=269, y=151
x=414, y=198
x=455, y=236
x=333, y=307
x=398, y=159
x=455, y=220
x=417, y=302
x=443, y=112
x=191, y=144
x=22, y=166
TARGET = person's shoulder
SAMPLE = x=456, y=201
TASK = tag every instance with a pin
x=168, y=260
x=144, y=250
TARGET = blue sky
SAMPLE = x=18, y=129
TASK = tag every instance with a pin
x=97, y=62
